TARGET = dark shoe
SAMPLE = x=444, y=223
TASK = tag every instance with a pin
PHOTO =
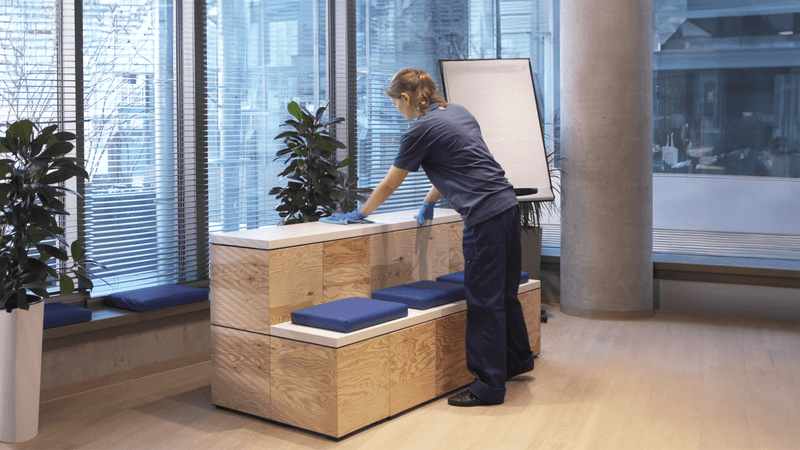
x=466, y=398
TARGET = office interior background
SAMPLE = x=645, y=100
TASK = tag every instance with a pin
x=176, y=104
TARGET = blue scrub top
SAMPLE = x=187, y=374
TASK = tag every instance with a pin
x=447, y=144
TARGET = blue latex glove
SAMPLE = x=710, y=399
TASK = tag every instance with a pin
x=344, y=219
x=425, y=212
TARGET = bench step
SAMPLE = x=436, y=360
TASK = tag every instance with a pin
x=458, y=277
x=349, y=314
x=422, y=294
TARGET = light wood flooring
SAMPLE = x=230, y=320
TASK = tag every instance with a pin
x=676, y=381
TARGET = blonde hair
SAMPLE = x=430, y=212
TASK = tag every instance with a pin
x=419, y=86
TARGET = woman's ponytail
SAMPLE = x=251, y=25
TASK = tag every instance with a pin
x=419, y=85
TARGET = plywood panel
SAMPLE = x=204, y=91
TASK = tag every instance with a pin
x=532, y=308
x=304, y=378
x=363, y=384
x=345, y=268
x=240, y=288
x=412, y=366
x=451, y=353
x=392, y=259
x=455, y=233
x=240, y=371
x=432, y=252
x=295, y=276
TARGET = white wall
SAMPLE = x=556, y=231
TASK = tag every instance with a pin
x=726, y=203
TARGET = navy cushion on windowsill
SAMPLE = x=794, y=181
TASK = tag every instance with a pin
x=458, y=277
x=422, y=294
x=58, y=314
x=349, y=314
x=156, y=297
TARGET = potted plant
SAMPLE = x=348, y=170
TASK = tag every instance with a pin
x=531, y=212
x=316, y=187
x=32, y=169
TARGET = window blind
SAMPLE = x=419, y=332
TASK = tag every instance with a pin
x=28, y=62
x=392, y=36
x=144, y=214
x=261, y=56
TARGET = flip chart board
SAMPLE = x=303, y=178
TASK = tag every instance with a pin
x=500, y=94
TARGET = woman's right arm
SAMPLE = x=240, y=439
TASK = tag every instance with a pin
x=393, y=179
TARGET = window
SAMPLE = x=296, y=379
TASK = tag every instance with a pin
x=726, y=155
x=261, y=56
x=28, y=61
x=116, y=76
x=393, y=35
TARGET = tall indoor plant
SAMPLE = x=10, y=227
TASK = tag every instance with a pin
x=531, y=212
x=316, y=187
x=33, y=167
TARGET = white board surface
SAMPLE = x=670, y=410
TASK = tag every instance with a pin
x=500, y=94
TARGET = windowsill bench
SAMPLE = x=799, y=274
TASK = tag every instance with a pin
x=709, y=269
x=107, y=317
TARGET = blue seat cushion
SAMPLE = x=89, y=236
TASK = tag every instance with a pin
x=458, y=277
x=422, y=294
x=156, y=297
x=349, y=314
x=58, y=314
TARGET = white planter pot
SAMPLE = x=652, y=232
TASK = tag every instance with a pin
x=20, y=372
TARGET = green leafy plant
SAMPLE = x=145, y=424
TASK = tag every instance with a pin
x=316, y=187
x=530, y=212
x=32, y=170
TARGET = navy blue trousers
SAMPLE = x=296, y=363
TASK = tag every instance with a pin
x=497, y=338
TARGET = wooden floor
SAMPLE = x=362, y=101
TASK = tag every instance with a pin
x=676, y=381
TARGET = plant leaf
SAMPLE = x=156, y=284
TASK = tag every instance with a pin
x=294, y=109
x=57, y=149
x=347, y=161
x=78, y=252
x=58, y=176
x=55, y=252
x=66, y=284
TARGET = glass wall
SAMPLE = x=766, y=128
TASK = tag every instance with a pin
x=727, y=88
x=726, y=154
x=261, y=56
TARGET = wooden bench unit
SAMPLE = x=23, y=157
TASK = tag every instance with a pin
x=321, y=380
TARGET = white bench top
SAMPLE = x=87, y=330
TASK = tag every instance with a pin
x=335, y=339
x=269, y=238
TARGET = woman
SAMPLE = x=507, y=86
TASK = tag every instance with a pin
x=445, y=140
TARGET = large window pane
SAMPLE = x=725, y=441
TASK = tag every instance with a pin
x=393, y=35
x=261, y=56
x=133, y=222
x=726, y=95
x=28, y=63
x=726, y=154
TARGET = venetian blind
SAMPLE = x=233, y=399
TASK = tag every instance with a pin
x=261, y=56
x=144, y=202
x=392, y=36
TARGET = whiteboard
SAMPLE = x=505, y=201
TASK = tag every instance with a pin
x=500, y=94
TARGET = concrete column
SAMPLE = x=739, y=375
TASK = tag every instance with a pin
x=607, y=184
